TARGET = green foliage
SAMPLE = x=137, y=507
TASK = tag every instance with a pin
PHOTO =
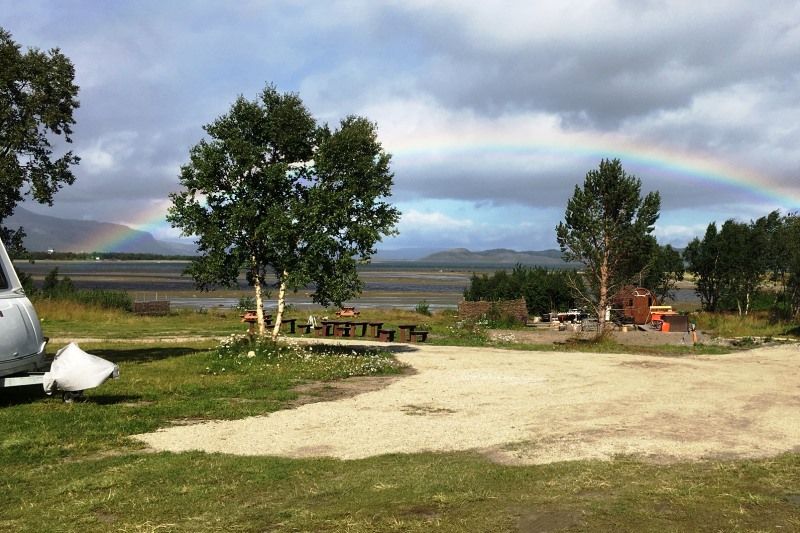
x=665, y=270
x=607, y=227
x=497, y=318
x=53, y=287
x=544, y=290
x=756, y=324
x=37, y=101
x=733, y=265
x=246, y=303
x=56, y=288
x=423, y=308
x=273, y=190
x=104, y=299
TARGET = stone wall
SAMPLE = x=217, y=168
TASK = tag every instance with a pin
x=475, y=310
x=151, y=307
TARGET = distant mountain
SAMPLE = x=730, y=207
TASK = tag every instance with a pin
x=500, y=256
x=70, y=235
x=404, y=254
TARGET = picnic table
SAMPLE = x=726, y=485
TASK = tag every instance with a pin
x=410, y=333
x=347, y=311
x=405, y=331
x=374, y=328
x=250, y=316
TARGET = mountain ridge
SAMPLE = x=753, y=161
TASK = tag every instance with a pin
x=45, y=232
x=546, y=258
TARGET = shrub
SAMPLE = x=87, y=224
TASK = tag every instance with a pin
x=63, y=289
x=104, y=298
x=423, y=308
x=543, y=290
x=246, y=303
x=497, y=318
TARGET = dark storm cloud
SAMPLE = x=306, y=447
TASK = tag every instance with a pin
x=610, y=73
x=719, y=79
x=549, y=189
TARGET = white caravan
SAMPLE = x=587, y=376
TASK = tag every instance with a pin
x=21, y=341
x=22, y=358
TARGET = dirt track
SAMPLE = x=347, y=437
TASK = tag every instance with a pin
x=537, y=407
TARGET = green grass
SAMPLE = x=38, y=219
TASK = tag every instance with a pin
x=757, y=324
x=72, y=467
x=609, y=346
x=159, y=385
x=68, y=318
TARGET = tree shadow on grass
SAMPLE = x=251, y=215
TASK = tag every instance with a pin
x=144, y=355
x=367, y=347
x=34, y=393
x=112, y=399
x=21, y=395
x=794, y=332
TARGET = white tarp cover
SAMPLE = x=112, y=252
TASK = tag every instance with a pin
x=75, y=370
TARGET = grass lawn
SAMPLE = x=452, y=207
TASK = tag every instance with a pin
x=72, y=467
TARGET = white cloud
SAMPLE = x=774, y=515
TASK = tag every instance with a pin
x=431, y=222
x=107, y=153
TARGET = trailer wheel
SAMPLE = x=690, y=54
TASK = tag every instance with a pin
x=72, y=396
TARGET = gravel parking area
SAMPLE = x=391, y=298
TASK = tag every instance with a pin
x=537, y=407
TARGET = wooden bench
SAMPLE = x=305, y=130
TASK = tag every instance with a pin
x=405, y=332
x=418, y=335
x=374, y=328
x=386, y=335
x=291, y=322
x=342, y=330
x=356, y=326
x=305, y=329
x=324, y=330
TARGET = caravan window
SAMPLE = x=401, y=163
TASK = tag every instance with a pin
x=3, y=279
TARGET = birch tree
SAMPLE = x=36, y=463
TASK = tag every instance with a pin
x=271, y=190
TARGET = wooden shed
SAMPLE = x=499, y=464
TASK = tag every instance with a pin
x=634, y=304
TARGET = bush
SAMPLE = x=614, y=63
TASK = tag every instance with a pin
x=543, y=290
x=63, y=289
x=496, y=318
x=423, y=308
x=246, y=303
x=104, y=299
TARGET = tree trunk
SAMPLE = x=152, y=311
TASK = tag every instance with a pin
x=603, y=297
x=262, y=330
x=281, y=306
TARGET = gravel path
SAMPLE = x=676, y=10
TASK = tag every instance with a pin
x=537, y=407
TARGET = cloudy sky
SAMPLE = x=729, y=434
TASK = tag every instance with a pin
x=493, y=111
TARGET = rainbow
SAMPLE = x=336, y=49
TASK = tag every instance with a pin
x=116, y=237
x=695, y=168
